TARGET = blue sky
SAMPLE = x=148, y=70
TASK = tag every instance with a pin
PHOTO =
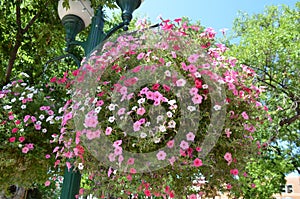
x=212, y=13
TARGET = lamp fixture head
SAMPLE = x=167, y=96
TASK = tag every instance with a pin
x=76, y=17
x=127, y=7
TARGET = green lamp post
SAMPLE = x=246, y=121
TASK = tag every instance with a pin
x=79, y=15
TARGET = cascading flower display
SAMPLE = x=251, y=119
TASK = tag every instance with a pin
x=29, y=124
x=155, y=111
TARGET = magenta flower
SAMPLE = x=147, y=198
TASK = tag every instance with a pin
x=22, y=139
x=234, y=172
x=14, y=130
x=12, y=139
x=197, y=162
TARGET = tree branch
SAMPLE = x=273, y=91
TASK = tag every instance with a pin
x=13, y=53
x=30, y=23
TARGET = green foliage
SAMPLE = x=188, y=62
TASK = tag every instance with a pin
x=270, y=44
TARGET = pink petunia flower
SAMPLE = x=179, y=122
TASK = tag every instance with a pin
x=140, y=111
x=197, y=162
x=161, y=155
x=190, y=136
x=184, y=145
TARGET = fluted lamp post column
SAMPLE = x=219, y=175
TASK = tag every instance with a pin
x=78, y=16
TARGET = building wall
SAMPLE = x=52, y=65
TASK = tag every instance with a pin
x=293, y=181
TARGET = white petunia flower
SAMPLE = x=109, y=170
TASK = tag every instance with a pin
x=204, y=86
x=23, y=106
x=80, y=166
x=172, y=124
x=191, y=108
x=162, y=128
x=197, y=74
x=143, y=135
x=156, y=140
x=141, y=101
x=217, y=107
x=98, y=109
x=172, y=102
x=13, y=100
x=6, y=107
x=112, y=107
x=169, y=114
x=111, y=119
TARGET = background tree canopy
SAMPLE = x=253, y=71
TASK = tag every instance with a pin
x=270, y=43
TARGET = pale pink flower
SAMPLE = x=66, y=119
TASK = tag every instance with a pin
x=108, y=131
x=192, y=68
x=245, y=116
x=193, y=91
x=136, y=126
x=37, y=127
x=90, y=134
x=184, y=145
x=192, y=196
x=197, y=99
x=190, y=136
x=140, y=111
x=91, y=121
x=228, y=157
x=227, y=132
x=117, y=143
x=121, y=111
x=26, y=118
x=112, y=157
x=140, y=56
x=193, y=58
x=180, y=82
x=161, y=155
x=120, y=159
x=25, y=149
x=172, y=160
x=118, y=151
x=47, y=183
